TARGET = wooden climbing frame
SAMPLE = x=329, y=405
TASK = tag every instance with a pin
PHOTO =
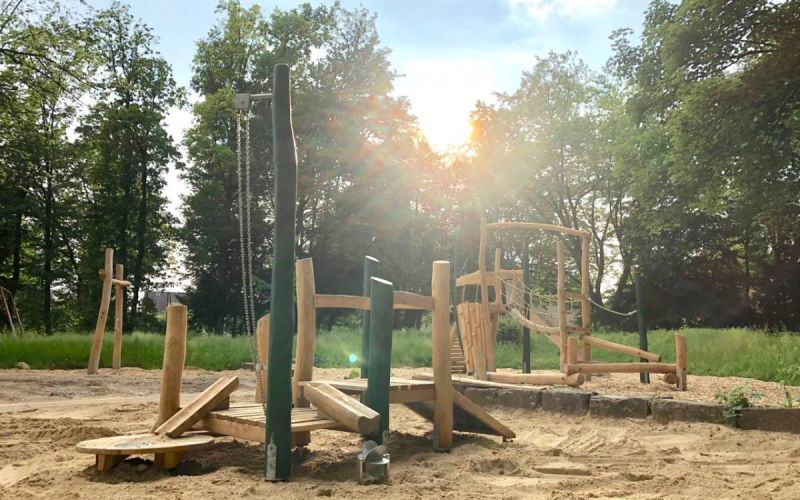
x=116, y=280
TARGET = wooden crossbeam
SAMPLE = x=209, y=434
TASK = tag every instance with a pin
x=346, y=410
x=204, y=403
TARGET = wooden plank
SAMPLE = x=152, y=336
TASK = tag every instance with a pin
x=344, y=409
x=401, y=397
x=322, y=301
x=136, y=444
x=621, y=368
x=556, y=378
x=408, y=300
x=440, y=333
x=306, y=328
x=190, y=414
x=262, y=345
x=536, y=225
x=613, y=346
x=480, y=414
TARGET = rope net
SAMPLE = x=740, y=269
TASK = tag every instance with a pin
x=540, y=310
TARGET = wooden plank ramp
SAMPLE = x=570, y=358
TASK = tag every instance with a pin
x=467, y=417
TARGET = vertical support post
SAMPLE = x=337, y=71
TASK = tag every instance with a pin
x=278, y=434
x=572, y=351
x=262, y=346
x=526, y=332
x=380, y=353
x=370, y=270
x=644, y=377
x=442, y=378
x=119, y=301
x=102, y=315
x=562, y=303
x=306, y=328
x=172, y=366
x=586, y=311
x=680, y=361
x=485, y=309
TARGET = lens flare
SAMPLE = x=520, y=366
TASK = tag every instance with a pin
x=352, y=358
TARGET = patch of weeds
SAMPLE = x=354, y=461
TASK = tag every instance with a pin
x=354, y=373
x=736, y=400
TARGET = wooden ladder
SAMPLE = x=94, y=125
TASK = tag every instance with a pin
x=457, y=362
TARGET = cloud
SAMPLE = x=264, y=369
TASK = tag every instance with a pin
x=542, y=10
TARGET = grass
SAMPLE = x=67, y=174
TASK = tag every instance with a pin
x=722, y=352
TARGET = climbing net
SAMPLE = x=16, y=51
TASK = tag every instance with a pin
x=535, y=309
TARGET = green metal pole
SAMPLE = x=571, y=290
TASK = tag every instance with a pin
x=370, y=270
x=279, y=399
x=643, y=377
x=380, y=353
x=526, y=332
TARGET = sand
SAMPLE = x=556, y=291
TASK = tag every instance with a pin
x=43, y=414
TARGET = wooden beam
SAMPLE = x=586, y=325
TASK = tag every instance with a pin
x=174, y=359
x=621, y=368
x=306, y=328
x=536, y=225
x=485, y=313
x=262, y=345
x=562, y=303
x=346, y=410
x=557, y=378
x=440, y=332
x=480, y=414
x=119, y=300
x=680, y=361
x=322, y=301
x=102, y=315
x=200, y=406
x=586, y=310
x=408, y=300
x=613, y=346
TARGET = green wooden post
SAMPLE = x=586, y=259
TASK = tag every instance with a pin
x=526, y=332
x=644, y=377
x=380, y=353
x=370, y=270
x=279, y=417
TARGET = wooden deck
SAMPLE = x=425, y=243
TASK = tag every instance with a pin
x=401, y=390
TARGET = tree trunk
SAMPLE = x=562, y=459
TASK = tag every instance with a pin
x=47, y=228
x=17, y=251
x=140, y=250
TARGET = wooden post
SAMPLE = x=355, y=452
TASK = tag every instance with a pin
x=442, y=377
x=306, y=328
x=370, y=270
x=119, y=301
x=380, y=353
x=174, y=359
x=7, y=309
x=102, y=315
x=262, y=345
x=643, y=377
x=572, y=351
x=586, y=310
x=526, y=332
x=680, y=361
x=278, y=430
x=484, y=288
x=562, y=303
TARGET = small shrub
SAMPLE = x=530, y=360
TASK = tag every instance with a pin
x=736, y=400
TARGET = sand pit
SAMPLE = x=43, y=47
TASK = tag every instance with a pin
x=43, y=414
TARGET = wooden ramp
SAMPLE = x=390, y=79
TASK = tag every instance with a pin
x=467, y=417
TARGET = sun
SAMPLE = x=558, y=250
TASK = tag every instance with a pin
x=446, y=129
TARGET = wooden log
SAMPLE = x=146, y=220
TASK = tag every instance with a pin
x=574, y=379
x=119, y=301
x=103, y=462
x=536, y=225
x=114, y=281
x=262, y=345
x=380, y=354
x=442, y=377
x=613, y=346
x=174, y=359
x=562, y=303
x=572, y=351
x=7, y=310
x=408, y=300
x=279, y=393
x=670, y=378
x=526, y=331
x=621, y=368
x=586, y=310
x=323, y=301
x=484, y=287
x=167, y=460
x=200, y=406
x=680, y=361
x=306, y=328
x=370, y=270
x=102, y=315
x=344, y=409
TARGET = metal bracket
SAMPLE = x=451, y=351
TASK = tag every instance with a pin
x=243, y=102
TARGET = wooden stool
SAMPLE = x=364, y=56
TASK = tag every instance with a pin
x=110, y=451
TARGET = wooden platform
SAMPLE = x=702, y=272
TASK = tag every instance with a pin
x=401, y=390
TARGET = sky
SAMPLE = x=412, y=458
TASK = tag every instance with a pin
x=448, y=53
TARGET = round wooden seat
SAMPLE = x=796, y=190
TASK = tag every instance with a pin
x=110, y=451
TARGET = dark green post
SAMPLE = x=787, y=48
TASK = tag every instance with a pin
x=370, y=270
x=279, y=399
x=526, y=332
x=380, y=352
x=637, y=280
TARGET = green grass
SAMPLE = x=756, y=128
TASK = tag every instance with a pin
x=723, y=352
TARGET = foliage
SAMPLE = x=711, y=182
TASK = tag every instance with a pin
x=736, y=400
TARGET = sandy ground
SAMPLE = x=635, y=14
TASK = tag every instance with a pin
x=43, y=414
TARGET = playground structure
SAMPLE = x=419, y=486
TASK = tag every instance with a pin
x=287, y=408
x=117, y=280
x=564, y=319
x=9, y=311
